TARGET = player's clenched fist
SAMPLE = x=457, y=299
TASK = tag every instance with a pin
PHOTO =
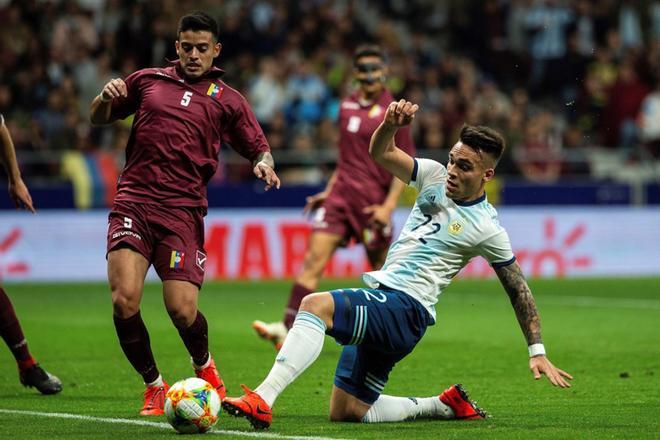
x=400, y=113
x=115, y=88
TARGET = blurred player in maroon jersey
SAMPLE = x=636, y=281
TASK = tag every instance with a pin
x=182, y=115
x=360, y=196
x=30, y=372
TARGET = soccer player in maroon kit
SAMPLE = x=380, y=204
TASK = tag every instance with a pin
x=30, y=373
x=182, y=115
x=360, y=196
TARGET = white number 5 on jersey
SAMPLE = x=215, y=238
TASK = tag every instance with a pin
x=186, y=98
x=353, y=124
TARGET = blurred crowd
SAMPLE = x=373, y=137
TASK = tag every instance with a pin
x=558, y=78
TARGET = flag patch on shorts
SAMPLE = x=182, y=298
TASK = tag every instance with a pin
x=176, y=260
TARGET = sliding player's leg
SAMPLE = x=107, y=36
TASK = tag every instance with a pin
x=387, y=324
x=300, y=349
x=361, y=375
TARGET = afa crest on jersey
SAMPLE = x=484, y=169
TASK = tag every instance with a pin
x=455, y=227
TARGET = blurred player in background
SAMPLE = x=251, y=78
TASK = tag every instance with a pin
x=450, y=223
x=360, y=196
x=30, y=372
x=182, y=115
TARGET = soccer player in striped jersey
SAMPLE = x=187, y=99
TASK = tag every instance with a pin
x=30, y=373
x=450, y=223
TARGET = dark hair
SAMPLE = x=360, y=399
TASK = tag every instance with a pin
x=481, y=138
x=369, y=50
x=198, y=21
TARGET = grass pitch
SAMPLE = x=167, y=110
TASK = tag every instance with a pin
x=605, y=332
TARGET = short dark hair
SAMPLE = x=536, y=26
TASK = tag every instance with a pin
x=369, y=50
x=481, y=138
x=198, y=21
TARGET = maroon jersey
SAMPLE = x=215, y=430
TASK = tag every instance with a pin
x=359, y=178
x=179, y=125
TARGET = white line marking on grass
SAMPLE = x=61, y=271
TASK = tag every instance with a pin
x=577, y=301
x=256, y=434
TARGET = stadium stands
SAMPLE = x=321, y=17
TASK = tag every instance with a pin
x=576, y=99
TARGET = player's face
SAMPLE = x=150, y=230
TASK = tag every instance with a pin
x=467, y=173
x=196, y=50
x=370, y=72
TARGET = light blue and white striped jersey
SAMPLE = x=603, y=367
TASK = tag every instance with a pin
x=439, y=238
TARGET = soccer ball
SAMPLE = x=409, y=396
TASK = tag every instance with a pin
x=192, y=406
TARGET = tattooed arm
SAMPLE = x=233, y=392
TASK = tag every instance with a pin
x=522, y=301
x=524, y=306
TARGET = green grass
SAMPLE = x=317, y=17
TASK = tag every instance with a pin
x=595, y=329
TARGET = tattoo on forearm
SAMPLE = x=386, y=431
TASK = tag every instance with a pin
x=267, y=158
x=522, y=301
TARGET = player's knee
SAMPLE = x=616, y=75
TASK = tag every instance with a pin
x=319, y=304
x=124, y=303
x=312, y=303
x=182, y=314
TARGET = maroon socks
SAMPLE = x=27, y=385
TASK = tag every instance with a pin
x=298, y=292
x=11, y=332
x=134, y=341
x=196, y=339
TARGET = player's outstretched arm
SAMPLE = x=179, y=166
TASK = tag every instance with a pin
x=523, y=303
x=100, y=112
x=382, y=148
x=17, y=189
x=264, y=169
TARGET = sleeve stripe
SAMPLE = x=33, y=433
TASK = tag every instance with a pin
x=413, y=178
x=504, y=263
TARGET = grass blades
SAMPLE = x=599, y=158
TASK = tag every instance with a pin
x=604, y=332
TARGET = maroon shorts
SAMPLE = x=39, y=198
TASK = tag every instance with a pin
x=337, y=216
x=170, y=238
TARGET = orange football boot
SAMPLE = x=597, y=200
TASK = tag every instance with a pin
x=211, y=375
x=154, y=400
x=457, y=399
x=251, y=406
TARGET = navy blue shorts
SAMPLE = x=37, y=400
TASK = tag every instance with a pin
x=378, y=328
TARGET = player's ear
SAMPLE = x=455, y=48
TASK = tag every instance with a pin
x=489, y=173
x=177, y=46
x=217, y=49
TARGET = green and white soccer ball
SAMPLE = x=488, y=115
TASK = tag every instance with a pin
x=192, y=406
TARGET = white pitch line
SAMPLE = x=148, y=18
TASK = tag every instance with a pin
x=577, y=301
x=256, y=434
